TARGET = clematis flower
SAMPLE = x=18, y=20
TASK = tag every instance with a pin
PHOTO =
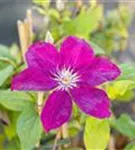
x=72, y=74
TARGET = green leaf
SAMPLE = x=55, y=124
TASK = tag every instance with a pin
x=130, y=146
x=29, y=128
x=68, y=27
x=74, y=128
x=126, y=97
x=97, y=49
x=10, y=128
x=96, y=134
x=125, y=125
x=6, y=56
x=53, y=13
x=128, y=72
x=42, y=3
x=4, y=52
x=86, y=22
x=5, y=74
x=2, y=140
x=3, y=65
x=13, y=144
x=15, y=100
x=125, y=83
x=117, y=89
x=16, y=54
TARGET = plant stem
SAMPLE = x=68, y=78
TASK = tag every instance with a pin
x=58, y=135
x=111, y=145
x=25, y=32
x=22, y=38
x=65, y=132
x=40, y=101
x=30, y=28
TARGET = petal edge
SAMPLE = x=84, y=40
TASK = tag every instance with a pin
x=72, y=51
x=32, y=79
x=92, y=101
x=56, y=111
x=100, y=71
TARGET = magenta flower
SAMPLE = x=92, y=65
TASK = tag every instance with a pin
x=73, y=74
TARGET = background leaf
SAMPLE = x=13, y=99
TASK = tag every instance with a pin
x=130, y=146
x=97, y=49
x=121, y=88
x=15, y=100
x=128, y=72
x=96, y=134
x=86, y=22
x=5, y=53
x=42, y=3
x=29, y=128
x=125, y=125
x=118, y=89
x=5, y=74
x=10, y=128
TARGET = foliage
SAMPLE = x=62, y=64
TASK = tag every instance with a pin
x=130, y=146
x=125, y=125
x=106, y=34
x=110, y=32
x=95, y=130
x=16, y=101
x=121, y=89
x=29, y=128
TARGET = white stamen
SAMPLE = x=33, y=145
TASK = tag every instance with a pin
x=66, y=78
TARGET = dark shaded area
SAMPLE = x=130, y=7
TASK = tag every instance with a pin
x=122, y=108
x=10, y=12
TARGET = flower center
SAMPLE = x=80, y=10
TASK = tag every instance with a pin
x=66, y=78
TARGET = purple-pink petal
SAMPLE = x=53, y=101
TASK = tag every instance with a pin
x=32, y=79
x=100, y=71
x=76, y=52
x=57, y=110
x=43, y=56
x=92, y=101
